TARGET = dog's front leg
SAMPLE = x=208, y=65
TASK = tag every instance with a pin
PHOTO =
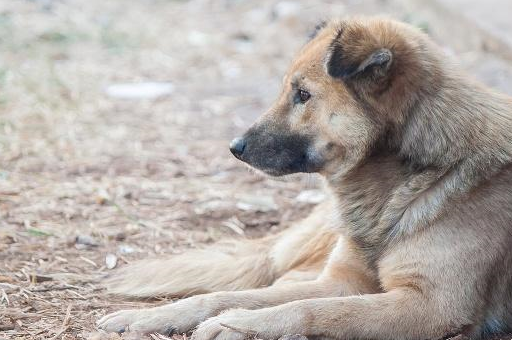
x=186, y=314
x=177, y=317
x=398, y=314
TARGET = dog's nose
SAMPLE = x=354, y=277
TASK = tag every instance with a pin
x=237, y=147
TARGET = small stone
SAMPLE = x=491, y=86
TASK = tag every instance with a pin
x=111, y=261
x=310, y=196
x=147, y=90
x=286, y=9
x=86, y=240
x=120, y=236
x=197, y=38
x=257, y=203
x=211, y=206
x=102, y=197
x=126, y=249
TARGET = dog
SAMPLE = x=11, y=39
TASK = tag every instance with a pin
x=415, y=239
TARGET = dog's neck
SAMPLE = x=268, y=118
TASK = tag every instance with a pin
x=362, y=195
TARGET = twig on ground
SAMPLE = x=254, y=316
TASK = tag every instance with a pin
x=20, y=315
x=89, y=261
x=59, y=333
x=65, y=324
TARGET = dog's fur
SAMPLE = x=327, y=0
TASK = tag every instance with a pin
x=416, y=240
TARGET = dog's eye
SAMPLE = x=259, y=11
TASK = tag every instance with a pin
x=303, y=95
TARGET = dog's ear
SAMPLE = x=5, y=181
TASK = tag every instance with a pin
x=357, y=60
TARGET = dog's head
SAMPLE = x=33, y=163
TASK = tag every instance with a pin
x=347, y=89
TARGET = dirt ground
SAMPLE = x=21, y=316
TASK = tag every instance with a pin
x=89, y=181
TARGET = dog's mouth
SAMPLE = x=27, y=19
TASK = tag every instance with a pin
x=276, y=155
x=278, y=172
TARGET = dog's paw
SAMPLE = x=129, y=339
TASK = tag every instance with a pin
x=141, y=321
x=235, y=324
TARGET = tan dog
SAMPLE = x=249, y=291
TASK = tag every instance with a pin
x=416, y=241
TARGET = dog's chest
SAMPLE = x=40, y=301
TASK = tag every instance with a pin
x=359, y=221
x=363, y=196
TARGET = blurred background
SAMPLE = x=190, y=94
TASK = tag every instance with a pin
x=115, y=119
